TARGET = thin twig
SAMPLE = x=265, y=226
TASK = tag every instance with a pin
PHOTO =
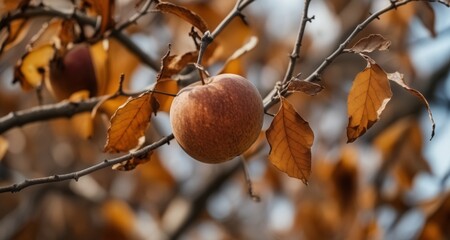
x=248, y=180
x=76, y=175
x=298, y=44
x=133, y=19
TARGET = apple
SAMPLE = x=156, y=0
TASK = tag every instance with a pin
x=219, y=120
x=72, y=71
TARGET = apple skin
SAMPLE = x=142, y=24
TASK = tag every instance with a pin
x=217, y=121
x=72, y=72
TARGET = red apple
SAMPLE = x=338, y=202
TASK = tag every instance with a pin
x=217, y=121
x=72, y=72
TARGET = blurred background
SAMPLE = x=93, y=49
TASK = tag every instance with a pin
x=392, y=183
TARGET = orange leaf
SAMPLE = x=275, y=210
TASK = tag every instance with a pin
x=173, y=64
x=104, y=8
x=309, y=88
x=30, y=71
x=183, y=13
x=398, y=78
x=290, y=139
x=367, y=99
x=128, y=124
x=370, y=43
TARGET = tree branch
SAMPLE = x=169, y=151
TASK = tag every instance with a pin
x=82, y=19
x=62, y=109
x=76, y=175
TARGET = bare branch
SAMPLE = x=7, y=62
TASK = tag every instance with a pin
x=62, y=109
x=133, y=19
x=76, y=175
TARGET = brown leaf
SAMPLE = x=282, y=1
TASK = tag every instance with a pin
x=398, y=78
x=128, y=124
x=4, y=145
x=173, y=64
x=290, y=139
x=67, y=32
x=32, y=69
x=132, y=163
x=13, y=34
x=309, y=88
x=183, y=13
x=370, y=43
x=426, y=15
x=247, y=47
x=367, y=99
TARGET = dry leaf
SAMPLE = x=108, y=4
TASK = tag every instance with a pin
x=118, y=217
x=398, y=78
x=310, y=88
x=427, y=17
x=4, y=145
x=132, y=163
x=171, y=65
x=367, y=99
x=183, y=13
x=370, y=43
x=31, y=69
x=248, y=46
x=128, y=124
x=290, y=139
x=13, y=34
x=82, y=123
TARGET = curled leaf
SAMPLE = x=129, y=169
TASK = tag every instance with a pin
x=367, y=99
x=183, y=13
x=290, y=139
x=370, y=43
x=128, y=124
x=398, y=78
x=310, y=88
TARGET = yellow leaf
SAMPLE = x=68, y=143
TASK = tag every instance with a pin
x=101, y=62
x=398, y=78
x=183, y=13
x=367, y=99
x=3, y=147
x=119, y=218
x=290, y=139
x=31, y=70
x=82, y=123
x=371, y=43
x=128, y=124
